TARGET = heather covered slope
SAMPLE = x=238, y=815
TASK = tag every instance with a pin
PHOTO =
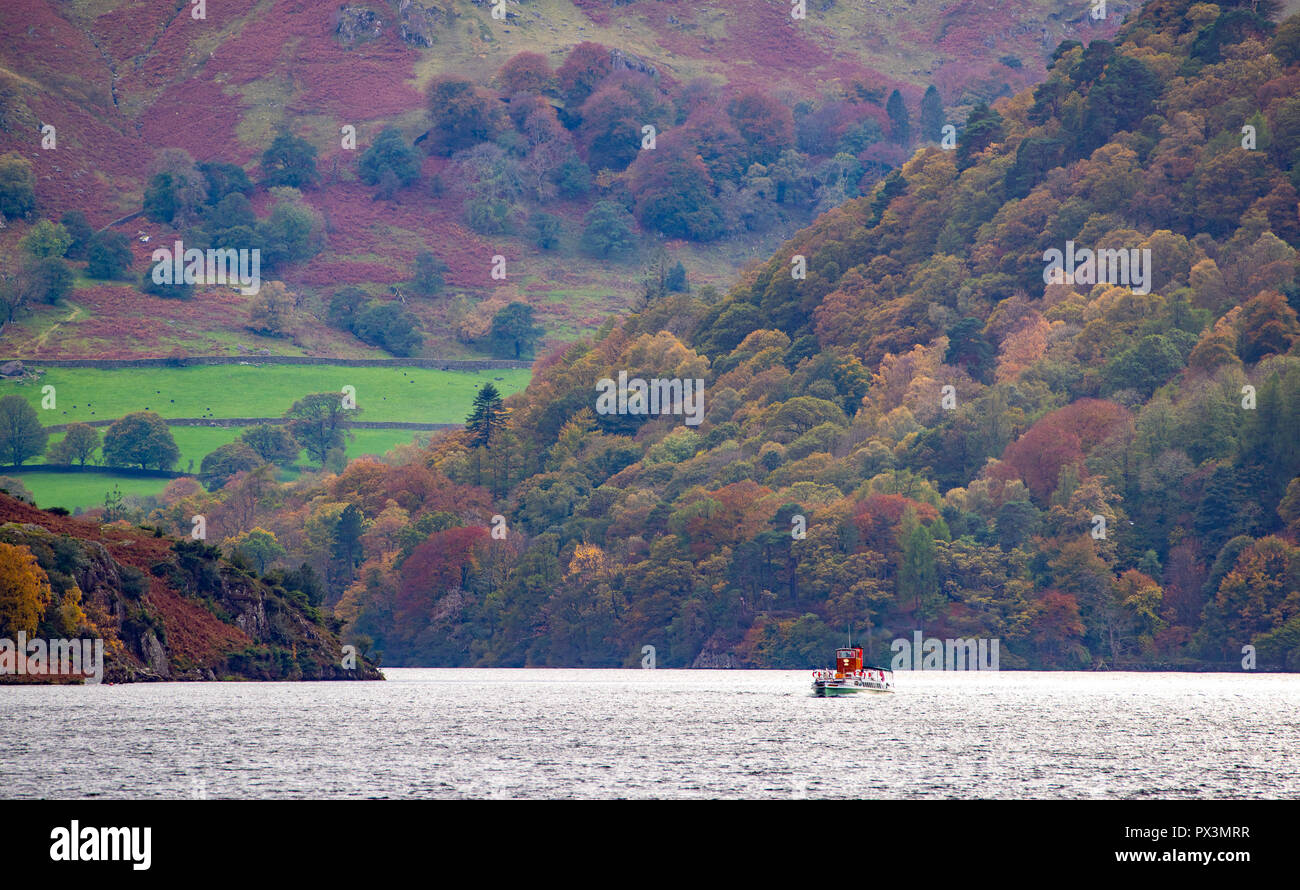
x=132, y=77
x=123, y=81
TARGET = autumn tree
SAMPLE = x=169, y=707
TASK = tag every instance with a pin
x=764, y=123
x=1268, y=325
x=1258, y=594
x=718, y=143
x=1056, y=629
x=24, y=591
x=270, y=310
x=525, y=72
x=610, y=134
x=1139, y=599
x=460, y=116
x=1217, y=347
x=582, y=70
x=674, y=192
x=441, y=563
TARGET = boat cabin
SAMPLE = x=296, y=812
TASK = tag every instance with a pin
x=847, y=661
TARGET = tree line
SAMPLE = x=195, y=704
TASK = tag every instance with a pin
x=318, y=424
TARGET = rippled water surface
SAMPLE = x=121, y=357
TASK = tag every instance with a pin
x=607, y=733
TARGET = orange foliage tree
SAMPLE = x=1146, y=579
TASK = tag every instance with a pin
x=24, y=590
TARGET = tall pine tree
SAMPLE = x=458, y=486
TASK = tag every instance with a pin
x=931, y=115
x=485, y=424
x=900, y=122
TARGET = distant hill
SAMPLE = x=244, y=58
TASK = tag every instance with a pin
x=121, y=82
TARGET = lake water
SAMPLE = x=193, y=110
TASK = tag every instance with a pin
x=629, y=733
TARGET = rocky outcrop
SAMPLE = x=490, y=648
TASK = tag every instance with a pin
x=174, y=610
x=716, y=654
x=357, y=24
x=287, y=639
x=625, y=61
x=154, y=655
x=417, y=23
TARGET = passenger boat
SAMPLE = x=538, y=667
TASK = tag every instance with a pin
x=850, y=677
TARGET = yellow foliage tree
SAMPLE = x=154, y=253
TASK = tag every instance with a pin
x=24, y=590
x=588, y=562
x=270, y=311
x=71, y=616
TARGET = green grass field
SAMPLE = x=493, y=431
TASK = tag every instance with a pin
x=412, y=395
x=83, y=490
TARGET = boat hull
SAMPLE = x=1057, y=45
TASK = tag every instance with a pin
x=823, y=689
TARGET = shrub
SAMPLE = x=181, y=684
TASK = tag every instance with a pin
x=608, y=231
x=110, y=256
